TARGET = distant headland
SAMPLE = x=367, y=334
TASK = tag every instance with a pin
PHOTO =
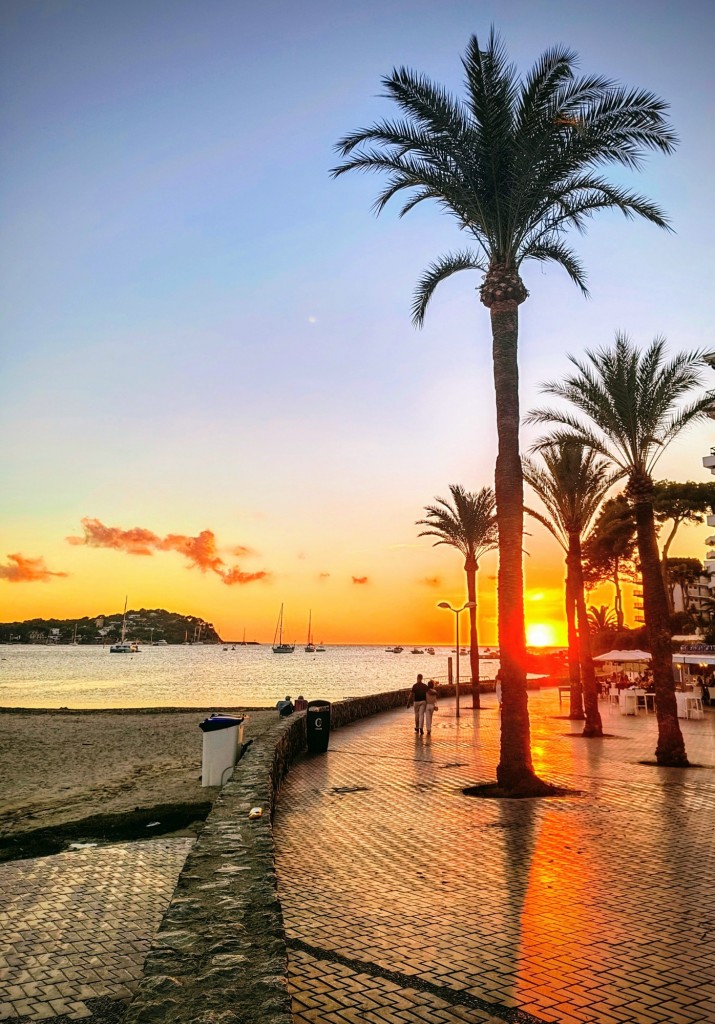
x=143, y=625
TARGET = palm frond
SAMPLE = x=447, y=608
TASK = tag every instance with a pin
x=554, y=251
x=633, y=402
x=549, y=525
x=437, y=272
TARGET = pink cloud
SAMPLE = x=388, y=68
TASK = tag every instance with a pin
x=27, y=570
x=201, y=551
x=360, y=579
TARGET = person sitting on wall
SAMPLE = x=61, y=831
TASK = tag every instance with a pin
x=285, y=707
x=301, y=703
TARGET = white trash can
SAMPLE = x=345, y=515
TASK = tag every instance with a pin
x=223, y=739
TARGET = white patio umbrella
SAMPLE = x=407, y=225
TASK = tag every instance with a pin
x=624, y=656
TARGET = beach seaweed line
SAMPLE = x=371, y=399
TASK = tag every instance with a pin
x=104, y=829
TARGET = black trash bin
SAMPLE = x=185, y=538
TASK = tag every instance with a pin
x=318, y=725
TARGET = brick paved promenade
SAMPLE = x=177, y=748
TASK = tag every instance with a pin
x=75, y=928
x=405, y=901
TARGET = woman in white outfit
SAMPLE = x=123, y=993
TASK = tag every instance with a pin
x=430, y=705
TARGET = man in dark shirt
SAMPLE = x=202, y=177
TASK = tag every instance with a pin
x=418, y=697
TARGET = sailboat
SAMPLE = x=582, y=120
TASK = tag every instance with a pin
x=124, y=647
x=280, y=647
x=310, y=646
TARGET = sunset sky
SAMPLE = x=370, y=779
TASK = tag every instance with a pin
x=208, y=369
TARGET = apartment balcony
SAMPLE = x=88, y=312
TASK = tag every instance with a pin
x=638, y=606
x=639, y=619
x=710, y=541
x=638, y=594
x=709, y=461
x=709, y=564
x=710, y=520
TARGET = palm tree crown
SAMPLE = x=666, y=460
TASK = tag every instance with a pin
x=571, y=484
x=468, y=524
x=602, y=618
x=632, y=400
x=516, y=162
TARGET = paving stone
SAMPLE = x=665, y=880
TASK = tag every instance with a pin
x=64, y=920
x=592, y=909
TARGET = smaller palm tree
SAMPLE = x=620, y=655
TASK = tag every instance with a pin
x=469, y=525
x=572, y=483
x=602, y=619
x=634, y=404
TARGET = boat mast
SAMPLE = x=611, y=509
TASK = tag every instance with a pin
x=279, y=630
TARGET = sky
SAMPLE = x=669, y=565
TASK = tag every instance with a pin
x=208, y=369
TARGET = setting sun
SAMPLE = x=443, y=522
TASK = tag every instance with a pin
x=538, y=634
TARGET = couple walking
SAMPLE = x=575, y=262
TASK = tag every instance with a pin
x=424, y=698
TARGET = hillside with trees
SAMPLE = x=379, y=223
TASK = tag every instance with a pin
x=144, y=625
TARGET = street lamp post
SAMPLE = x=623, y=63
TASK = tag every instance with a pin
x=457, y=613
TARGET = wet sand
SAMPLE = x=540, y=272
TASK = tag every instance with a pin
x=63, y=767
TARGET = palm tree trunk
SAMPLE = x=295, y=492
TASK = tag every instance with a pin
x=593, y=725
x=515, y=772
x=670, y=750
x=575, y=694
x=473, y=636
x=618, y=599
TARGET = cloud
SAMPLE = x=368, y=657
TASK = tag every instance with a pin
x=359, y=579
x=27, y=570
x=201, y=551
x=235, y=575
x=432, y=581
x=135, y=542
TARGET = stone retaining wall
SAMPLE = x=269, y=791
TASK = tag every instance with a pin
x=219, y=956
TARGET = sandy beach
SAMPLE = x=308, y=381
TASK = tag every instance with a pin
x=61, y=768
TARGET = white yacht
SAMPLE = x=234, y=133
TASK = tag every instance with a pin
x=124, y=646
x=280, y=647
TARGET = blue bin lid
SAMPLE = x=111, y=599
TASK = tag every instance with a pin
x=216, y=722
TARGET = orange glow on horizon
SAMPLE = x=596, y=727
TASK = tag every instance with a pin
x=541, y=634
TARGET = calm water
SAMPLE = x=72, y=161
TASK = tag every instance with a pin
x=196, y=676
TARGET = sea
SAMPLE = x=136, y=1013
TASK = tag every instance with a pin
x=195, y=676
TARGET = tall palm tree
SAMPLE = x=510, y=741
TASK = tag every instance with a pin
x=516, y=163
x=572, y=484
x=633, y=403
x=469, y=525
